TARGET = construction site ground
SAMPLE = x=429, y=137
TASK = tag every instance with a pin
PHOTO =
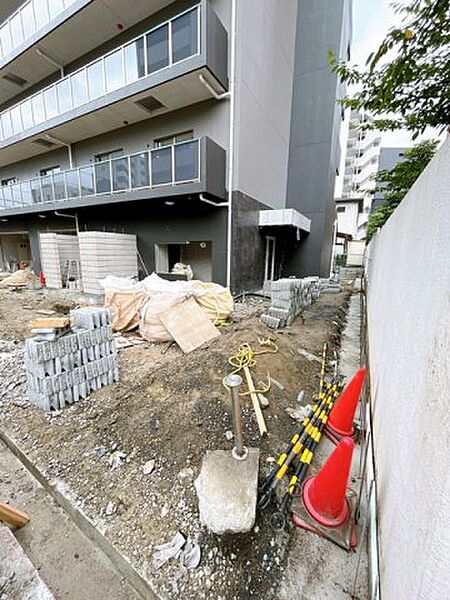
x=171, y=408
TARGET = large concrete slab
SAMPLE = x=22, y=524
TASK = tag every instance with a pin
x=227, y=491
x=18, y=577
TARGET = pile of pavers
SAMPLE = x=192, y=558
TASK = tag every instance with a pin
x=290, y=296
x=68, y=368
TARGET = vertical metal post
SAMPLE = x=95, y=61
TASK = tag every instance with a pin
x=234, y=381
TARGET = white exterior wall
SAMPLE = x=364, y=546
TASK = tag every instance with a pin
x=265, y=52
x=409, y=343
x=348, y=220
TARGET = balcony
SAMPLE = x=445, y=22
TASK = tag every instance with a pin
x=167, y=59
x=53, y=27
x=191, y=167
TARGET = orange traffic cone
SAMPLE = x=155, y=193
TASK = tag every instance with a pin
x=42, y=278
x=324, y=495
x=343, y=412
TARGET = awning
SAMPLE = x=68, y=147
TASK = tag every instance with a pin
x=284, y=217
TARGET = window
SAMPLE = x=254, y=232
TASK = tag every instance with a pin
x=108, y=155
x=50, y=171
x=341, y=209
x=174, y=139
x=9, y=181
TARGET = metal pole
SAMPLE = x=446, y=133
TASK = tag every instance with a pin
x=233, y=382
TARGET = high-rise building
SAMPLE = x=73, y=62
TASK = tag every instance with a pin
x=208, y=129
x=361, y=166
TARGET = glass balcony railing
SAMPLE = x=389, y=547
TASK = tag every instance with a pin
x=167, y=165
x=160, y=48
x=26, y=21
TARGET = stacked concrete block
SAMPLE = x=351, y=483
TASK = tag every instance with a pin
x=288, y=298
x=104, y=253
x=62, y=371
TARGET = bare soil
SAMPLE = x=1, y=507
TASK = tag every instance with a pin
x=171, y=408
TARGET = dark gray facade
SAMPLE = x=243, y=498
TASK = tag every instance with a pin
x=314, y=154
x=283, y=153
x=389, y=157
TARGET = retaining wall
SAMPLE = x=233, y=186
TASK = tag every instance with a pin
x=408, y=273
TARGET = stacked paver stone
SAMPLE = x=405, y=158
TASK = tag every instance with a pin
x=288, y=298
x=62, y=371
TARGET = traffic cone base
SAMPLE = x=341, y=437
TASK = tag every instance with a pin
x=343, y=412
x=327, y=520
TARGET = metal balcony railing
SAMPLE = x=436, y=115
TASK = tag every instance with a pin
x=26, y=21
x=166, y=44
x=168, y=165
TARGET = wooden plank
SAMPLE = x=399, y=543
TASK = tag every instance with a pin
x=189, y=325
x=50, y=323
x=255, y=401
x=12, y=515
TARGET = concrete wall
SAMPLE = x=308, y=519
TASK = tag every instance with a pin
x=409, y=346
x=265, y=51
x=314, y=154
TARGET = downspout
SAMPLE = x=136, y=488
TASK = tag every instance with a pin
x=207, y=201
x=51, y=138
x=51, y=60
x=231, y=142
x=75, y=216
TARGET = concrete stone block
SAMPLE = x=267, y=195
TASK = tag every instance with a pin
x=271, y=322
x=227, y=491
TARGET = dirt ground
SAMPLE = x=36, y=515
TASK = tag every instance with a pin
x=170, y=408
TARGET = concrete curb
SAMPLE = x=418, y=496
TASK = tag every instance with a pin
x=128, y=572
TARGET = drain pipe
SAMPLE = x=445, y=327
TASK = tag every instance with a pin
x=75, y=216
x=231, y=143
x=51, y=60
x=207, y=201
x=210, y=89
x=55, y=140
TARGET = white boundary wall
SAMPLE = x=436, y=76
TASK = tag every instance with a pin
x=408, y=271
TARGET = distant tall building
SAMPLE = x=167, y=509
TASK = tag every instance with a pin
x=361, y=165
x=389, y=157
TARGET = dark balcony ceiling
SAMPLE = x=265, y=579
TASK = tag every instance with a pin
x=87, y=29
x=174, y=94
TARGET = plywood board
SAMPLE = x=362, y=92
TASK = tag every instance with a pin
x=189, y=325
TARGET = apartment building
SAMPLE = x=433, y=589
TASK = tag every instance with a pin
x=206, y=128
x=361, y=165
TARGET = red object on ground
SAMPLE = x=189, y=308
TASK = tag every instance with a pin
x=42, y=278
x=324, y=495
x=343, y=412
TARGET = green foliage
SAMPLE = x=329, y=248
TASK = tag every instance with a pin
x=395, y=183
x=406, y=82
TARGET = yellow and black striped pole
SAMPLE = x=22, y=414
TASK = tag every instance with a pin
x=309, y=429
x=278, y=519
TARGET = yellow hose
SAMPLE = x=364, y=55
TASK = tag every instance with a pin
x=245, y=357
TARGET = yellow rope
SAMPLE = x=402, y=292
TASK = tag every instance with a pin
x=245, y=357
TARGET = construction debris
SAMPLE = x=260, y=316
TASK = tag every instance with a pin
x=19, y=279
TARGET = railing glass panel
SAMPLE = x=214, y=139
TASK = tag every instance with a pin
x=140, y=171
x=168, y=165
x=162, y=165
x=103, y=177
x=157, y=49
x=120, y=174
x=184, y=36
x=27, y=20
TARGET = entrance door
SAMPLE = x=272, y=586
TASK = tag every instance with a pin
x=269, y=273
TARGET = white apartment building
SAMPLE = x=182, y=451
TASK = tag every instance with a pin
x=361, y=165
